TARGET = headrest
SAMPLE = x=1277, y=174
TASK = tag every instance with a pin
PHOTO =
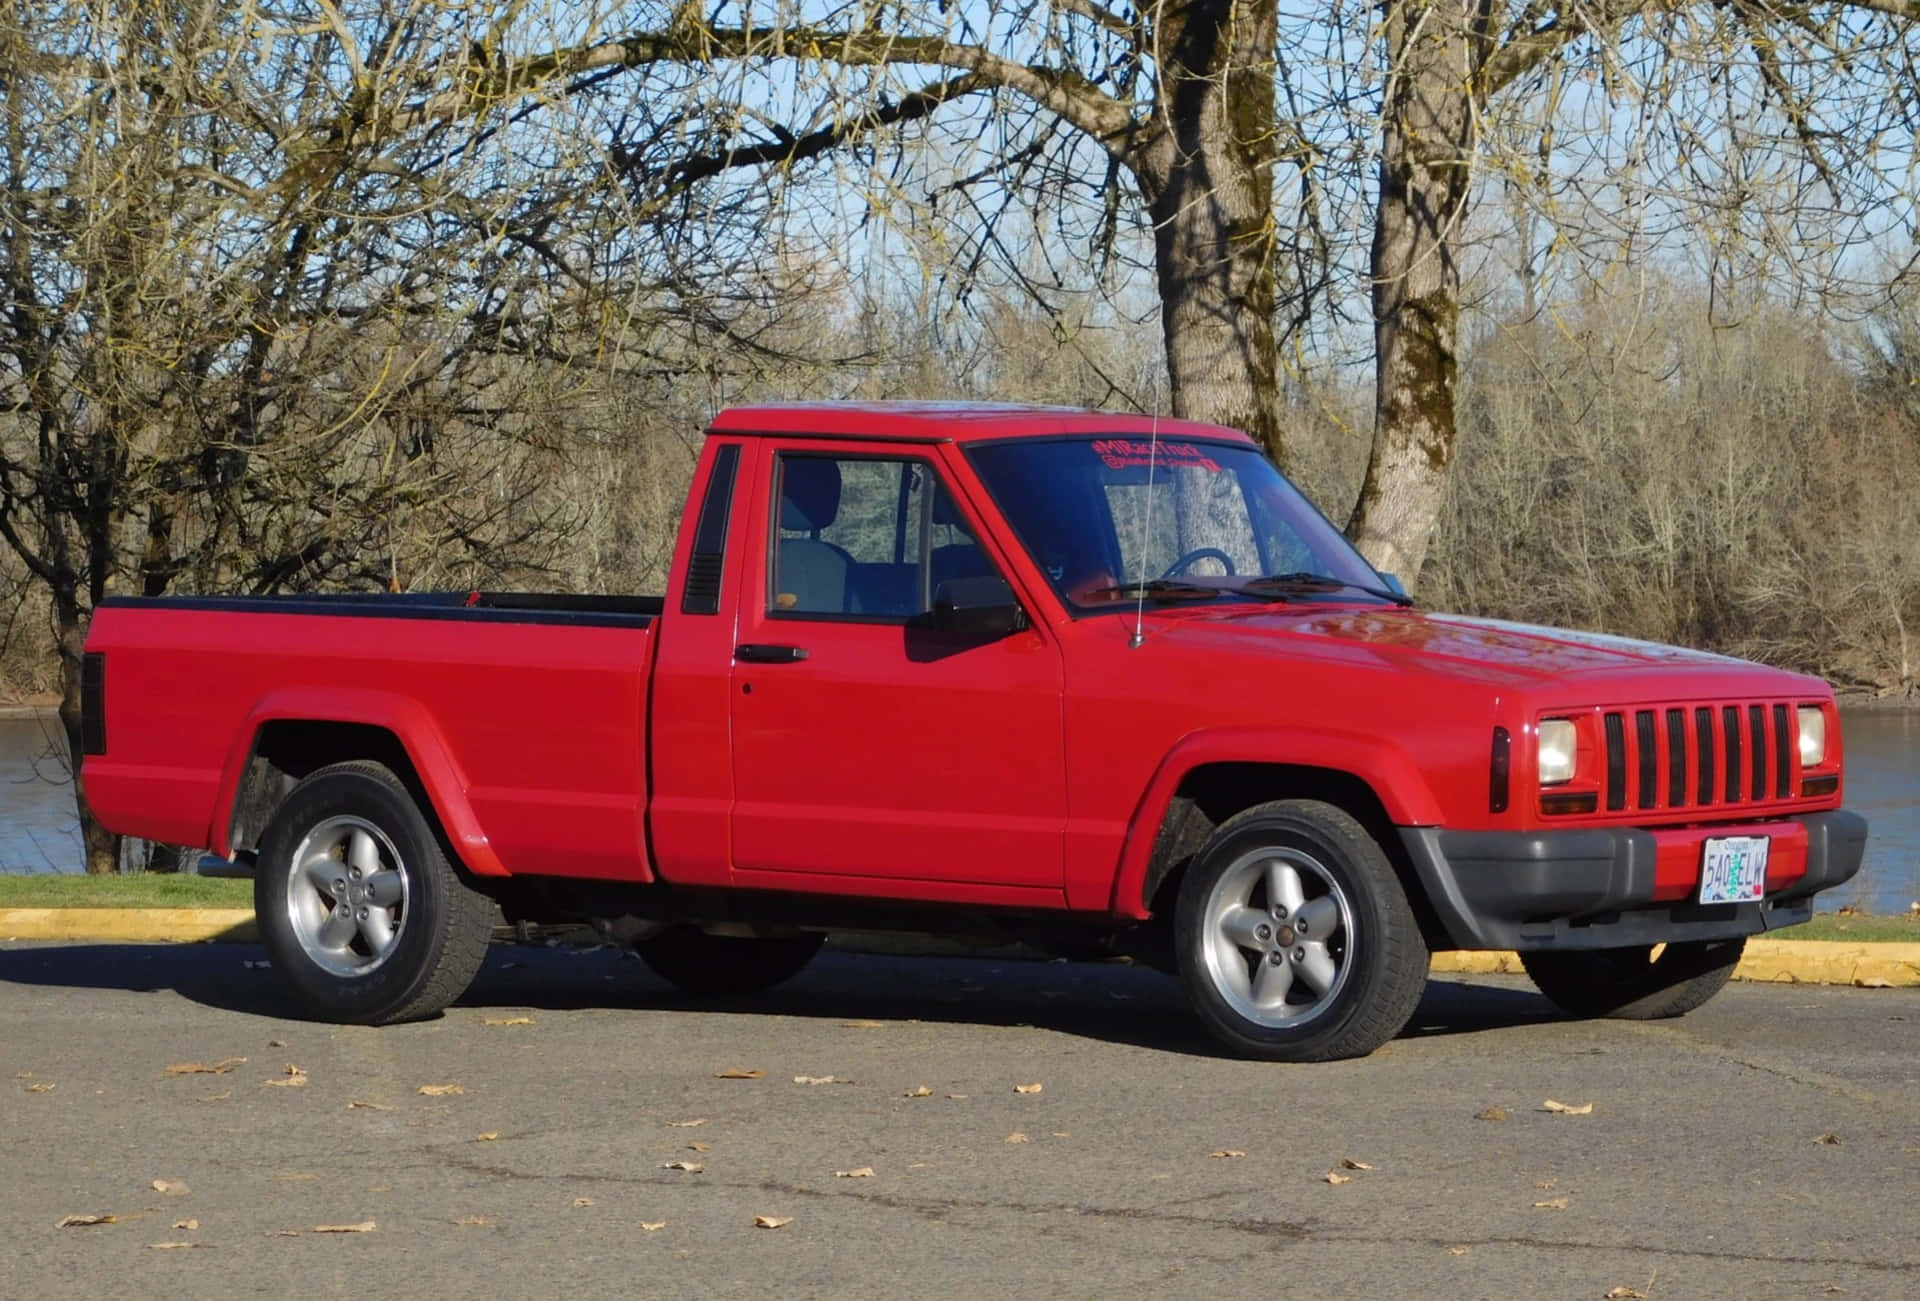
x=809, y=493
x=944, y=509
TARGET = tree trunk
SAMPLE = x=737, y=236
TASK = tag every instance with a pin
x=1425, y=166
x=102, y=847
x=1207, y=175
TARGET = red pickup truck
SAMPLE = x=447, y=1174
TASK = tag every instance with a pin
x=1097, y=682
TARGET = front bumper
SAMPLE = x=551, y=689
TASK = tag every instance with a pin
x=1593, y=888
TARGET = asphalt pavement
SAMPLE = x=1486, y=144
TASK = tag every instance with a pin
x=1768, y=1145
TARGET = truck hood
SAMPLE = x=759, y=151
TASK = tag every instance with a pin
x=1488, y=651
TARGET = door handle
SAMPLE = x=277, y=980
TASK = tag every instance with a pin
x=761, y=653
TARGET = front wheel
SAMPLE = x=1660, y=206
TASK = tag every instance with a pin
x=1645, y=983
x=1294, y=936
x=357, y=904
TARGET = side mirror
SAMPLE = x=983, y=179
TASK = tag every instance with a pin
x=982, y=606
x=1393, y=584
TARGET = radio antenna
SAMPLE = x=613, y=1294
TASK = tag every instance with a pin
x=1146, y=531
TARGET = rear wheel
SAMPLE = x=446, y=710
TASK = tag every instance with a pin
x=357, y=904
x=1294, y=937
x=1644, y=983
x=699, y=963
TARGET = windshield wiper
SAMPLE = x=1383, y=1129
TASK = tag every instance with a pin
x=1301, y=580
x=1154, y=589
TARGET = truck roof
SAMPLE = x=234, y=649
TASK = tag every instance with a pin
x=953, y=422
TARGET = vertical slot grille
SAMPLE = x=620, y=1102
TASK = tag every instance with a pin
x=1703, y=738
x=1676, y=758
x=1730, y=735
x=1757, y=737
x=1649, y=755
x=1782, y=754
x=1616, y=762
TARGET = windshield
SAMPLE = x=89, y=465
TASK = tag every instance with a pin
x=1102, y=516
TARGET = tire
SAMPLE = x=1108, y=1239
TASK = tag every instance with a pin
x=412, y=934
x=1261, y=987
x=1635, y=984
x=690, y=959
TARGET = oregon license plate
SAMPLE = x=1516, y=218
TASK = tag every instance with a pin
x=1734, y=869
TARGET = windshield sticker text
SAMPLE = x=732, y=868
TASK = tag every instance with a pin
x=1124, y=453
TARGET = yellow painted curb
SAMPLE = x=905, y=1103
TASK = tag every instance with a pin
x=129, y=925
x=1803, y=962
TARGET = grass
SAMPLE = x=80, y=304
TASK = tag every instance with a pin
x=1853, y=928
x=148, y=890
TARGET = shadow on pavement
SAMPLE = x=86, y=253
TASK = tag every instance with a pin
x=1113, y=1002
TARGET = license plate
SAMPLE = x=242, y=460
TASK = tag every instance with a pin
x=1734, y=869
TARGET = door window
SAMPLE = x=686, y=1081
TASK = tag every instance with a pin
x=867, y=538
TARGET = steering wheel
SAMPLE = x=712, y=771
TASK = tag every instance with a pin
x=1199, y=553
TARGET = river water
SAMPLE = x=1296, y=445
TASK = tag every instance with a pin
x=38, y=831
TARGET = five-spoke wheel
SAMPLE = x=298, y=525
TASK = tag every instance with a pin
x=347, y=897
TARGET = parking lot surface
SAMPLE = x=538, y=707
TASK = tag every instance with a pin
x=1766, y=1146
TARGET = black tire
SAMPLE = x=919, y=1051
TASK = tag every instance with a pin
x=1360, y=965
x=1634, y=984
x=435, y=931
x=690, y=959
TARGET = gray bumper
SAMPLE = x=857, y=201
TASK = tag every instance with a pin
x=1593, y=888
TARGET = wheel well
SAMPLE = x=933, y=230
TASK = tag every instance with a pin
x=288, y=749
x=1214, y=792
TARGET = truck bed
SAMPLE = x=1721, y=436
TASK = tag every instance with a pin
x=530, y=706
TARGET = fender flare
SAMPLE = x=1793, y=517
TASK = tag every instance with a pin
x=411, y=724
x=1386, y=770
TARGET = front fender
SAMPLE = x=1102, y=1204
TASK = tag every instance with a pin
x=410, y=722
x=1393, y=777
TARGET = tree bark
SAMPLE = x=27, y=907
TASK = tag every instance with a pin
x=1425, y=168
x=1207, y=175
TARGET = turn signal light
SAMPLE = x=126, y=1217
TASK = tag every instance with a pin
x=1826, y=784
x=1569, y=801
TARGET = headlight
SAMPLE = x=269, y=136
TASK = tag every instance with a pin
x=1813, y=736
x=1558, y=746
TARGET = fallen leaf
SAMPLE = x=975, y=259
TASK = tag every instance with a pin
x=1061, y=1133
x=1227, y=1153
x=820, y=1079
x=23, y=1075
x=1874, y=982
x=171, y=1187
x=864, y=1172
x=687, y=1124
x=291, y=1069
x=471, y=1221
x=771, y=1221
x=186, y=1224
x=1491, y=1113
x=85, y=1221
x=957, y=1097
x=41, y=1088
x=1564, y=1109
x=287, y=1233
x=216, y=1097
x=368, y=1106
x=440, y=1090
x=1458, y=1251
x=1625, y=1294
x=736, y=1073
x=365, y=1226
x=653, y=1226
x=1035, y=1087
x=1830, y=1140
x=488, y=1137
x=1552, y=1204
x=698, y=1146
x=581, y=1203
x=924, y=1091
x=691, y=1167
x=295, y=1078
x=1335, y=1177
x=380, y=1188
x=296, y=1177
x=506, y=1020
x=222, y=1067
x=1348, y=1163
x=167, y=1246
x=864, y=1025
x=1016, y=1137
x=276, y=1043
